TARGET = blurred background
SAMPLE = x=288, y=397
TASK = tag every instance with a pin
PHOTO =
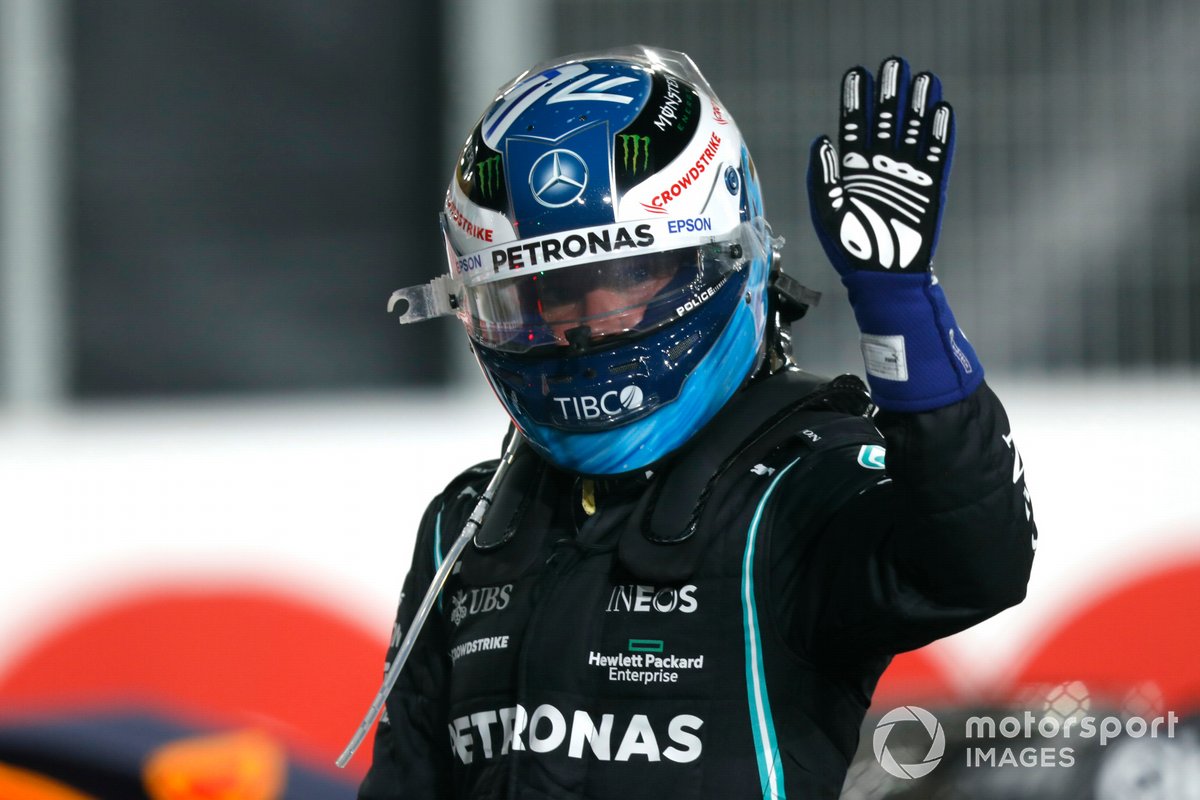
x=215, y=444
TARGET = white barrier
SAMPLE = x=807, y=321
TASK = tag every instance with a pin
x=323, y=497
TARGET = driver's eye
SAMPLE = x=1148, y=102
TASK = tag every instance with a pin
x=553, y=296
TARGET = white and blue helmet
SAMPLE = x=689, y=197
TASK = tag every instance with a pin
x=608, y=256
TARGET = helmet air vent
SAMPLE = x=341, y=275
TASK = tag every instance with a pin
x=681, y=348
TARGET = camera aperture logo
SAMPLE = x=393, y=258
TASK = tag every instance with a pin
x=1013, y=740
x=937, y=742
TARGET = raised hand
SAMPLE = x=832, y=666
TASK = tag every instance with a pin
x=878, y=205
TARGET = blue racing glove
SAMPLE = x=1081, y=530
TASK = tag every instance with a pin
x=877, y=209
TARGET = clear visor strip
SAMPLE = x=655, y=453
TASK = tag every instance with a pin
x=542, y=254
x=589, y=245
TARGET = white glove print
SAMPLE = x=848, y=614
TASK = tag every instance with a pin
x=879, y=206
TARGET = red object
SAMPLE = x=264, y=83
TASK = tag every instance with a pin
x=1146, y=633
x=218, y=656
x=914, y=677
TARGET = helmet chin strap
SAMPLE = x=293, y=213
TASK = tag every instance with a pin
x=435, y=588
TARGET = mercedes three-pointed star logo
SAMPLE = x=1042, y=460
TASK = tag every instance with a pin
x=558, y=178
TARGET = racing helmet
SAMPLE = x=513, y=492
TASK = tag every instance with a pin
x=608, y=256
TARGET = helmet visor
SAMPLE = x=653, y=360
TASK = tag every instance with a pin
x=593, y=304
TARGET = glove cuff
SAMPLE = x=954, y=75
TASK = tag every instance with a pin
x=916, y=356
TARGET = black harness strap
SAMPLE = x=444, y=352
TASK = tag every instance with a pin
x=663, y=538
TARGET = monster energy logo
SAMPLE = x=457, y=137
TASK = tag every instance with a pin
x=641, y=146
x=487, y=174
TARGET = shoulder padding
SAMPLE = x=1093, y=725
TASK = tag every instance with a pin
x=792, y=409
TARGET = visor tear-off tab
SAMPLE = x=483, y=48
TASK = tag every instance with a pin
x=434, y=299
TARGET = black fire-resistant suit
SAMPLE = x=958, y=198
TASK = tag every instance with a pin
x=714, y=629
